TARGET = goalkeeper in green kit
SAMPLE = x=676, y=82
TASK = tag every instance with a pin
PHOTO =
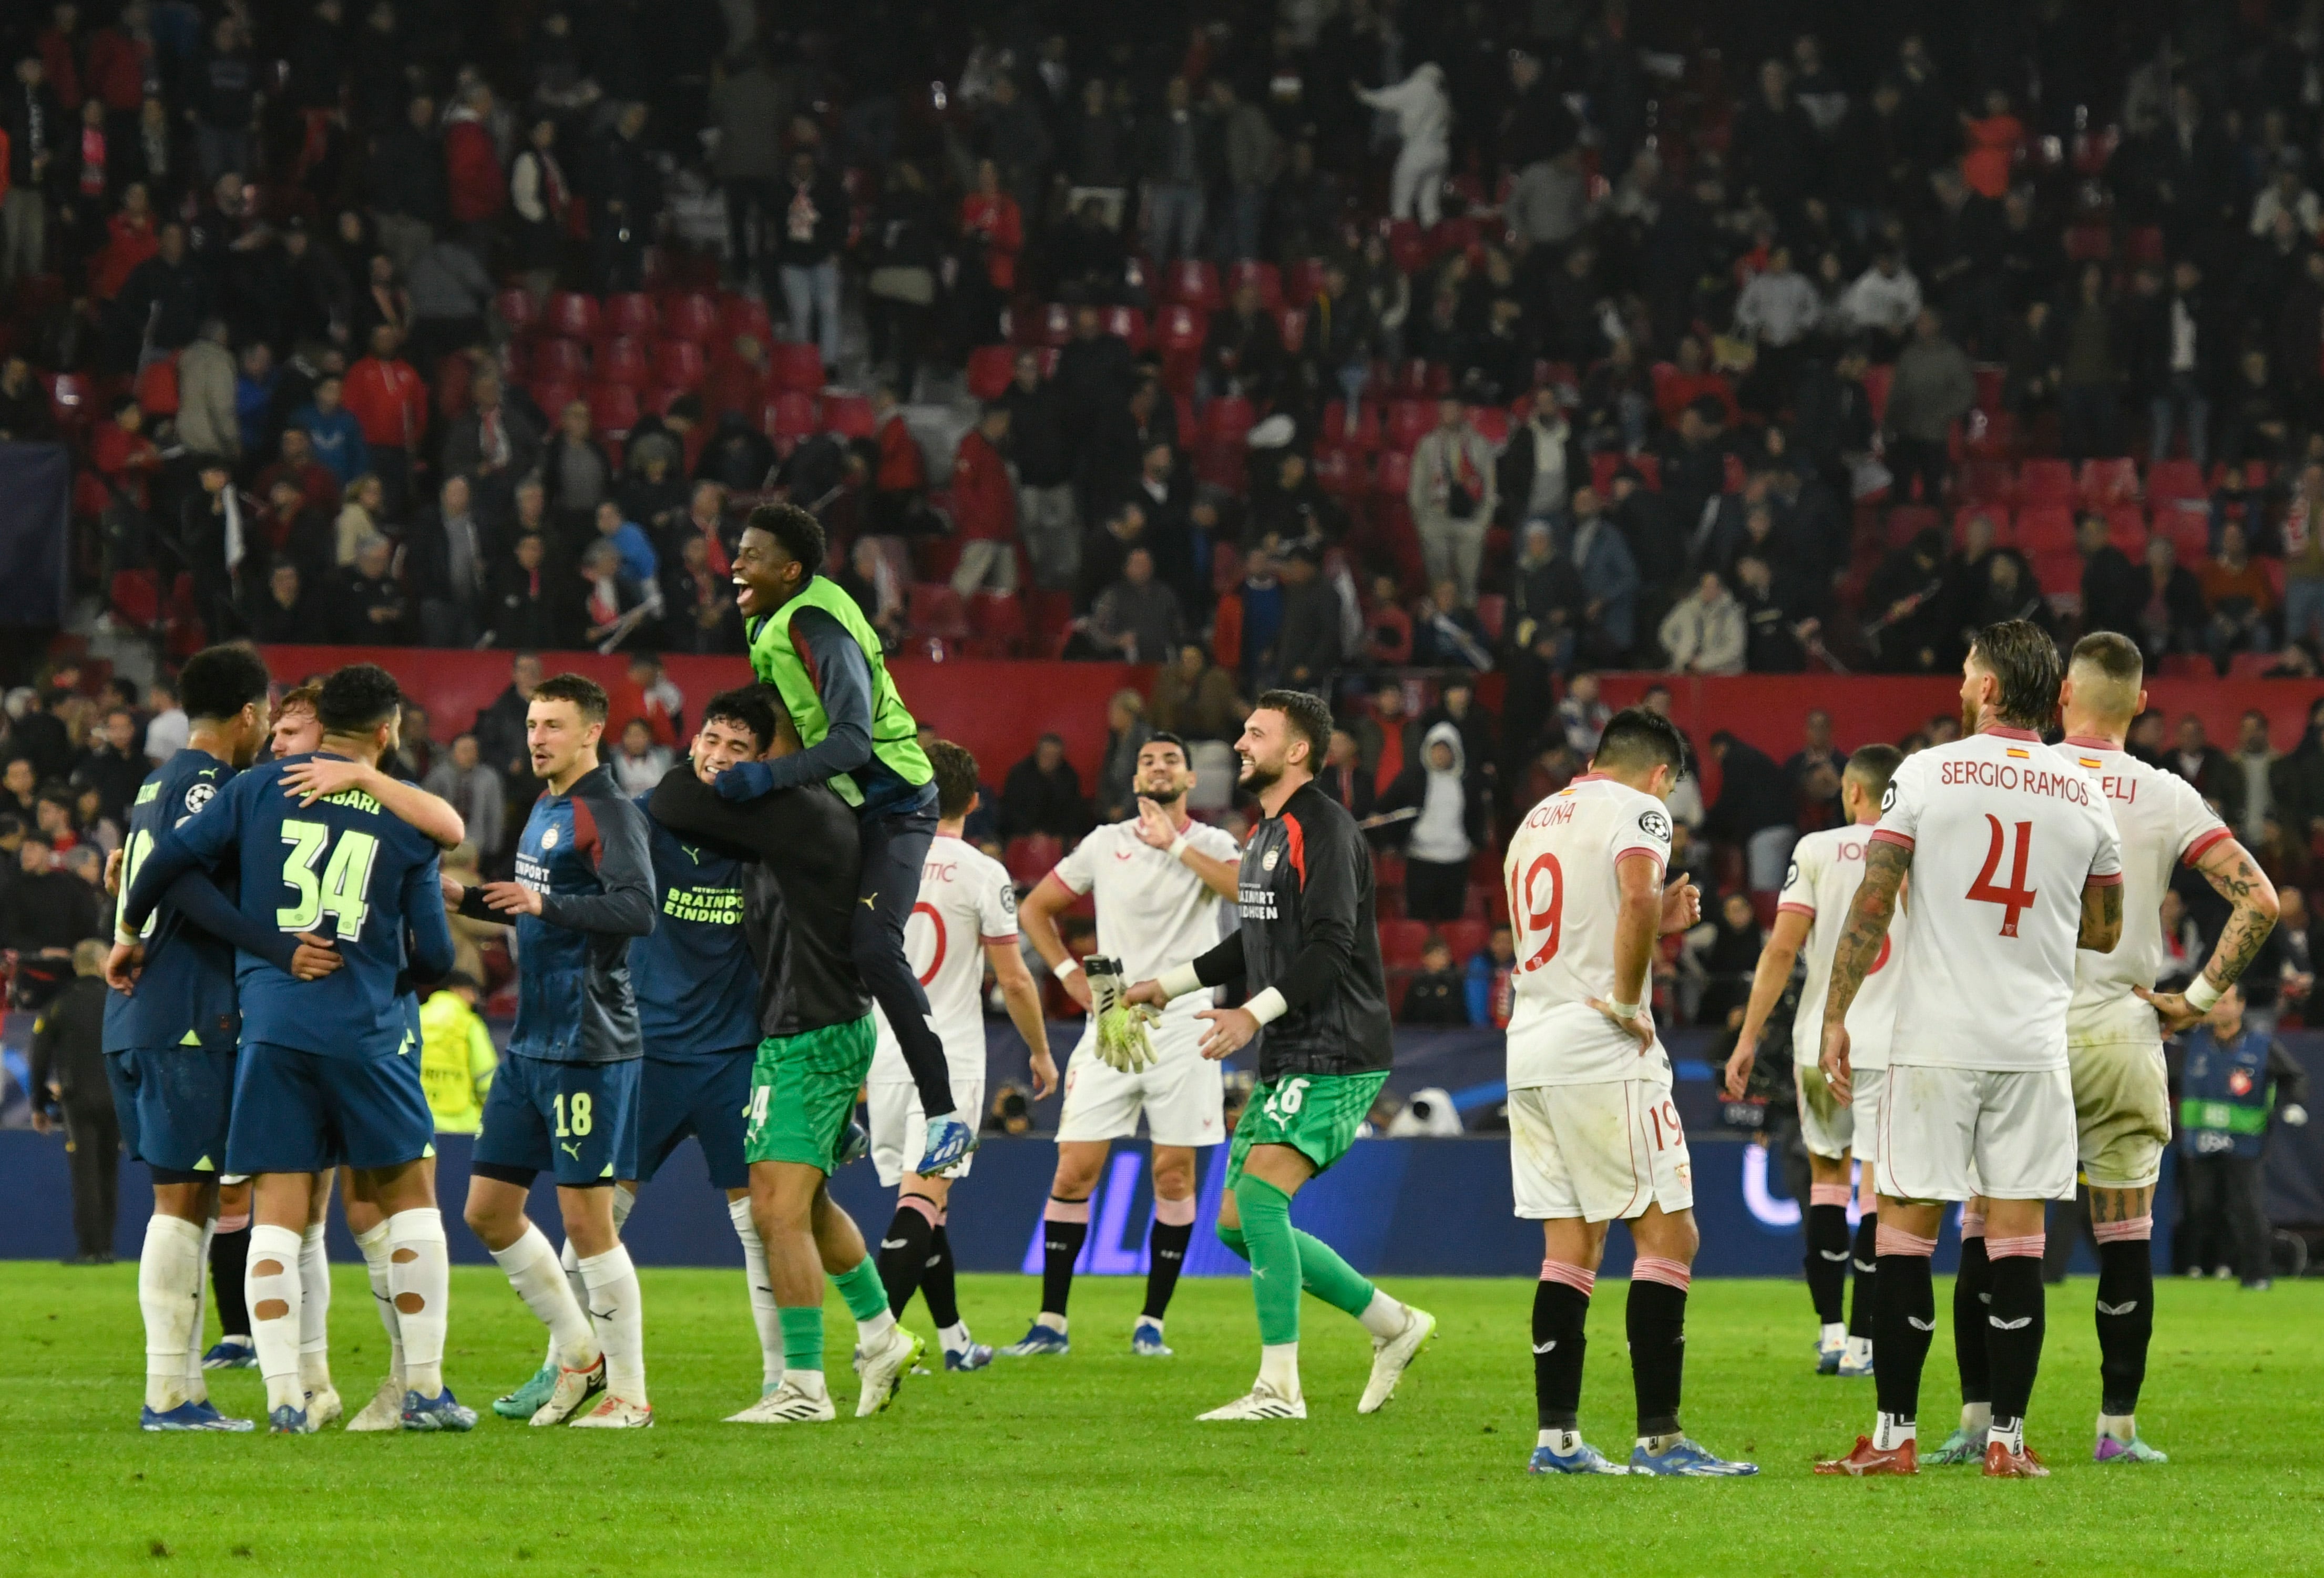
x=1308, y=948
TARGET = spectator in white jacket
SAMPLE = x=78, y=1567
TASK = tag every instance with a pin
x=1424, y=120
x=1706, y=633
x=1779, y=307
x=206, y=422
x=1451, y=495
x=1883, y=301
x=2286, y=194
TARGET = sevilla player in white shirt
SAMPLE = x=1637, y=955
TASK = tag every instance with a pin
x=1593, y=1134
x=1826, y=868
x=1164, y=884
x=2015, y=863
x=965, y=917
x=2114, y=1039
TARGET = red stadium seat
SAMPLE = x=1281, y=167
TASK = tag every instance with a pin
x=572, y=315
x=1357, y=430
x=2088, y=244
x=1394, y=474
x=849, y=416
x=1878, y=377
x=1229, y=417
x=2144, y=245
x=1990, y=436
x=990, y=369
x=613, y=410
x=2107, y=483
x=2048, y=483
x=517, y=309
x=632, y=312
x=935, y=609
x=1339, y=471
x=677, y=362
x=2126, y=529
x=739, y=316
x=2189, y=535
x=1491, y=421
x=1986, y=482
x=552, y=395
x=1193, y=282
x=1989, y=386
x=1030, y=856
x=1408, y=421
x=1492, y=611
x=136, y=596
x=1306, y=282
x=622, y=360
x=157, y=387
x=996, y=620
x=2175, y=485
x=659, y=401
x=2004, y=524
x=1266, y=276
x=1466, y=938
x=70, y=400
x=2059, y=574
x=691, y=317
x=1402, y=942
x=2045, y=529
x=795, y=366
x=1906, y=521
x=1180, y=328
x=1125, y=323
x=562, y=359
x=790, y=416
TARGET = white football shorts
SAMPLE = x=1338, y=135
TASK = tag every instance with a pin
x=2122, y=1112
x=1181, y=1094
x=899, y=1129
x=1954, y=1133
x=1600, y=1152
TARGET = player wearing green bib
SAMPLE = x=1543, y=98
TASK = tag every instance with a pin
x=1309, y=946
x=809, y=641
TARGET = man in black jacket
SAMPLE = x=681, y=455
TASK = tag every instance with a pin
x=1755, y=809
x=69, y=1084
x=812, y=228
x=1046, y=519
x=407, y=182
x=1309, y=950
x=2112, y=597
x=446, y=567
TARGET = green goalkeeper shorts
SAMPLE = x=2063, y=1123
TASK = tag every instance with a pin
x=1316, y=1114
x=803, y=1091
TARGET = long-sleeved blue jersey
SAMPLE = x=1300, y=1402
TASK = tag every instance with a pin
x=344, y=868
x=698, y=986
x=185, y=991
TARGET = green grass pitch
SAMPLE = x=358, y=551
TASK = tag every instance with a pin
x=1093, y=1463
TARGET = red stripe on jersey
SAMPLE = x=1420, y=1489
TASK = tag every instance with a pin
x=1888, y=836
x=1806, y=909
x=585, y=832
x=805, y=655
x=2204, y=845
x=2111, y=879
x=1295, y=838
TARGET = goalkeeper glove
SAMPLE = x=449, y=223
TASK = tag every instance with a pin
x=1122, y=1042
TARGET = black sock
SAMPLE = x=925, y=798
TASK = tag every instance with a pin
x=1559, y=1314
x=1972, y=1297
x=1166, y=1250
x=939, y=1289
x=1905, y=1321
x=1827, y=1260
x=2126, y=1322
x=229, y=1253
x=1656, y=1318
x=904, y=1256
x=1061, y=1246
x=2013, y=1333
x=1859, y=1306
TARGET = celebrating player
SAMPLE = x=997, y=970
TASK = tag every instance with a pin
x=170, y=1038
x=1594, y=1135
x=811, y=641
x=566, y=1098
x=2114, y=1041
x=1826, y=867
x=816, y=1017
x=325, y=1076
x=964, y=894
x=2015, y=863
x=1160, y=881
x=1309, y=946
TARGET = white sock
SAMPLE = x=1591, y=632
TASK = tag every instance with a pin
x=2010, y=1433
x=1976, y=1418
x=170, y=1271
x=420, y=1283
x=955, y=1338
x=1858, y=1350
x=314, y=1312
x=1564, y=1442
x=570, y=1260
x=618, y=1312
x=809, y=1381
x=2121, y=1427
x=1889, y=1431
x=198, y=1384
x=874, y=1331
x=1384, y=1317
x=1278, y=1367
x=276, y=1336
x=373, y=1245
x=532, y=1270
x=1051, y=1319
x=764, y=1314
x=1832, y=1334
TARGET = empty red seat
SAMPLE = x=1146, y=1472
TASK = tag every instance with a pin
x=990, y=369
x=1030, y=856
x=790, y=416
x=613, y=410
x=1906, y=521
x=935, y=609
x=136, y=596
x=2045, y=529
x=2059, y=574
x=998, y=619
x=1195, y=283
x=2145, y=243
x=795, y=366
x=157, y=387
x=1492, y=610
x=1492, y=422
x=2046, y=483
x=632, y=312
x=1229, y=418
x=2176, y=484
x=560, y=359
x=2126, y=527
x=1265, y=277
x=622, y=360
x=739, y=316
x=573, y=314
x=677, y=362
x=517, y=309
x=1125, y=323
x=1402, y=942
x=1989, y=435
x=1408, y=421
x=1466, y=938
x=2110, y=482
x=849, y=416
x=2190, y=534
x=691, y=317
x=1180, y=328
x=1986, y=482
x=1394, y=475
x=1306, y=280
x=552, y=395
x=1351, y=428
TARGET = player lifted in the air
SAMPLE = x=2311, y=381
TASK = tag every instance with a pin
x=327, y=1074
x=1594, y=1136
x=965, y=914
x=2015, y=862
x=1826, y=867
x=2114, y=1041
x=1308, y=948
x=1162, y=883
x=565, y=1098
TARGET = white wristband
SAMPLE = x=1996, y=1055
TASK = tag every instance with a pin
x=1178, y=847
x=1267, y=1007
x=2202, y=994
x=1626, y=1010
x=1068, y=968
x=124, y=939
x=1179, y=980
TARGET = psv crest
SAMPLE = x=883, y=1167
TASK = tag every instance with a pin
x=548, y=838
x=1267, y=860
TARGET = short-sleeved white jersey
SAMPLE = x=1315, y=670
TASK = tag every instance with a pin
x=1827, y=868
x=2162, y=821
x=1564, y=899
x=1153, y=912
x=2004, y=834
x=965, y=901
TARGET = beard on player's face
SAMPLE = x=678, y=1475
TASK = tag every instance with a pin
x=1259, y=777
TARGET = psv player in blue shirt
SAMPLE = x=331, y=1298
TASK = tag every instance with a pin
x=329, y=1072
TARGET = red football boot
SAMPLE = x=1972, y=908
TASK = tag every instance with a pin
x=2001, y=1464
x=1867, y=1460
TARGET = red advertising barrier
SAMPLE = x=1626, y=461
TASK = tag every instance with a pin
x=996, y=709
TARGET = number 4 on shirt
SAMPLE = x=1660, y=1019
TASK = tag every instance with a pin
x=2017, y=897
x=339, y=892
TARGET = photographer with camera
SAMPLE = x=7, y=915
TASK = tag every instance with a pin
x=1451, y=498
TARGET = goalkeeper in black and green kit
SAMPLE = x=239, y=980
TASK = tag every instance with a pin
x=810, y=643
x=1308, y=948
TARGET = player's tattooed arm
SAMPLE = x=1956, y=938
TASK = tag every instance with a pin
x=2101, y=917
x=1885, y=864
x=2236, y=877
